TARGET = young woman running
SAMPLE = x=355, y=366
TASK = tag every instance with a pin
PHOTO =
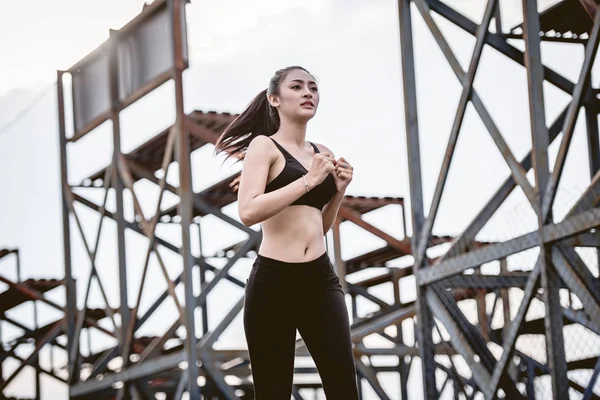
x=293, y=188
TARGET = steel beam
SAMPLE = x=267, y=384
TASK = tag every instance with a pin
x=550, y=233
x=71, y=305
x=52, y=333
x=480, y=374
x=185, y=195
x=500, y=44
x=513, y=332
x=579, y=94
x=119, y=188
x=425, y=320
x=518, y=170
x=589, y=391
x=539, y=133
x=134, y=372
x=467, y=88
x=471, y=335
x=369, y=374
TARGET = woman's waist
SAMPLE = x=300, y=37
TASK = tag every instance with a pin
x=293, y=249
x=294, y=235
x=270, y=269
x=269, y=262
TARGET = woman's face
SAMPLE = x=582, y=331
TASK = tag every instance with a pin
x=298, y=96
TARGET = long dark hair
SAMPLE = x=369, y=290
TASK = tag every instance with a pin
x=259, y=118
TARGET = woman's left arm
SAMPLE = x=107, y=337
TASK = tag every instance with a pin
x=342, y=173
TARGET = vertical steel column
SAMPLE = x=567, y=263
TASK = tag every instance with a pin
x=482, y=317
x=18, y=255
x=71, y=304
x=402, y=365
x=182, y=154
x=36, y=362
x=425, y=319
x=202, y=278
x=118, y=186
x=591, y=120
x=404, y=220
x=504, y=294
x=530, y=383
x=498, y=19
x=539, y=132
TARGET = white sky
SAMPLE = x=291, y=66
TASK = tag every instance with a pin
x=235, y=46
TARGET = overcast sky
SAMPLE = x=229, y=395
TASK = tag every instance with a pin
x=235, y=46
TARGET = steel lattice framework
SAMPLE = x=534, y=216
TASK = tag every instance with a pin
x=179, y=359
x=31, y=333
x=559, y=268
x=451, y=288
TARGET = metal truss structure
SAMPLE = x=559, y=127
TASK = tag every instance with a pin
x=32, y=338
x=37, y=340
x=459, y=357
x=497, y=365
x=179, y=359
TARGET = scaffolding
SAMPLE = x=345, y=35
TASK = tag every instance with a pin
x=451, y=327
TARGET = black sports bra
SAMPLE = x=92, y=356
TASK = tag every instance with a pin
x=317, y=197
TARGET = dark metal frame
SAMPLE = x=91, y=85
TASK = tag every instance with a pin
x=442, y=330
x=177, y=370
x=555, y=271
x=118, y=177
x=18, y=293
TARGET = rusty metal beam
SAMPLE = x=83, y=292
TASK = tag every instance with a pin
x=551, y=233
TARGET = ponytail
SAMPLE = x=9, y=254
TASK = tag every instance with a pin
x=259, y=118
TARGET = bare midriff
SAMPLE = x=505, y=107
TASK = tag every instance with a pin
x=293, y=235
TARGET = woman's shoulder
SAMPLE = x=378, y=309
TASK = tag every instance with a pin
x=322, y=148
x=261, y=142
x=261, y=145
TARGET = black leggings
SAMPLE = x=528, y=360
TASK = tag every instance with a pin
x=282, y=297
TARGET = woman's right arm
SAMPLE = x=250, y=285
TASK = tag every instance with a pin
x=254, y=205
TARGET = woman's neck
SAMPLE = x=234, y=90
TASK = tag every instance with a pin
x=293, y=132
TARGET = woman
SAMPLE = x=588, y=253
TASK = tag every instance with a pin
x=293, y=188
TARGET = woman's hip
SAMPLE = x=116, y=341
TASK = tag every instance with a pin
x=293, y=278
